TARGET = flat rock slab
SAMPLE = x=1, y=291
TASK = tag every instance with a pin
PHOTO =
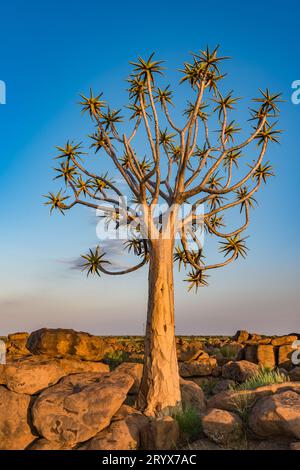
x=80, y=406
x=281, y=340
x=33, y=374
x=199, y=368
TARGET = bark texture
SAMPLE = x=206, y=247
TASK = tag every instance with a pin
x=160, y=392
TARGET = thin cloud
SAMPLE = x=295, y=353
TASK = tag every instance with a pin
x=115, y=254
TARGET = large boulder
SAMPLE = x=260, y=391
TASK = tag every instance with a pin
x=23, y=335
x=197, y=368
x=192, y=395
x=277, y=415
x=255, y=338
x=262, y=354
x=33, y=374
x=80, y=406
x=192, y=354
x=125, y=411
x=241, y=336
x=239, y=371
x=16, y=345
x=265, y=340
x=122, y=434
x=232, y=400
x=285, y=353
x=61, y=342
x=15, y=432
x=266, y=356
x=282, y=340
x=136, y=371
x=294, y=374
x=250, y=352
x=187, y=349
x=216, y=371
x=160, y=434
x=223, y=427
x=222, y=385
x=205, y=383
x=231, y=352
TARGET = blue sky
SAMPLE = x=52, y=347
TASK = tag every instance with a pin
x=52, y=51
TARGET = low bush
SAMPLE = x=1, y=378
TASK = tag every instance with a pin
x=263, y=377
x=189, y=422
x=114, y=358
x=242, y=406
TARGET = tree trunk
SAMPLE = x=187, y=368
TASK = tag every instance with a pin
x=159, y=392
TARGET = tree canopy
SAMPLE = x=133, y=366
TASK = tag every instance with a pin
x=206, y=159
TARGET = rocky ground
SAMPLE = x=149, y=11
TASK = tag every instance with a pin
x=62, y=389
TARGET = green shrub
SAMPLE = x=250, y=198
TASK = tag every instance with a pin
x=209, y=386
x=189, y=422
x=229, y=351
x=115, y=358
x=243, y=402
x=263, y=377
x=242, y=406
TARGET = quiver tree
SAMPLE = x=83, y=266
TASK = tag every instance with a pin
x=200, y=161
